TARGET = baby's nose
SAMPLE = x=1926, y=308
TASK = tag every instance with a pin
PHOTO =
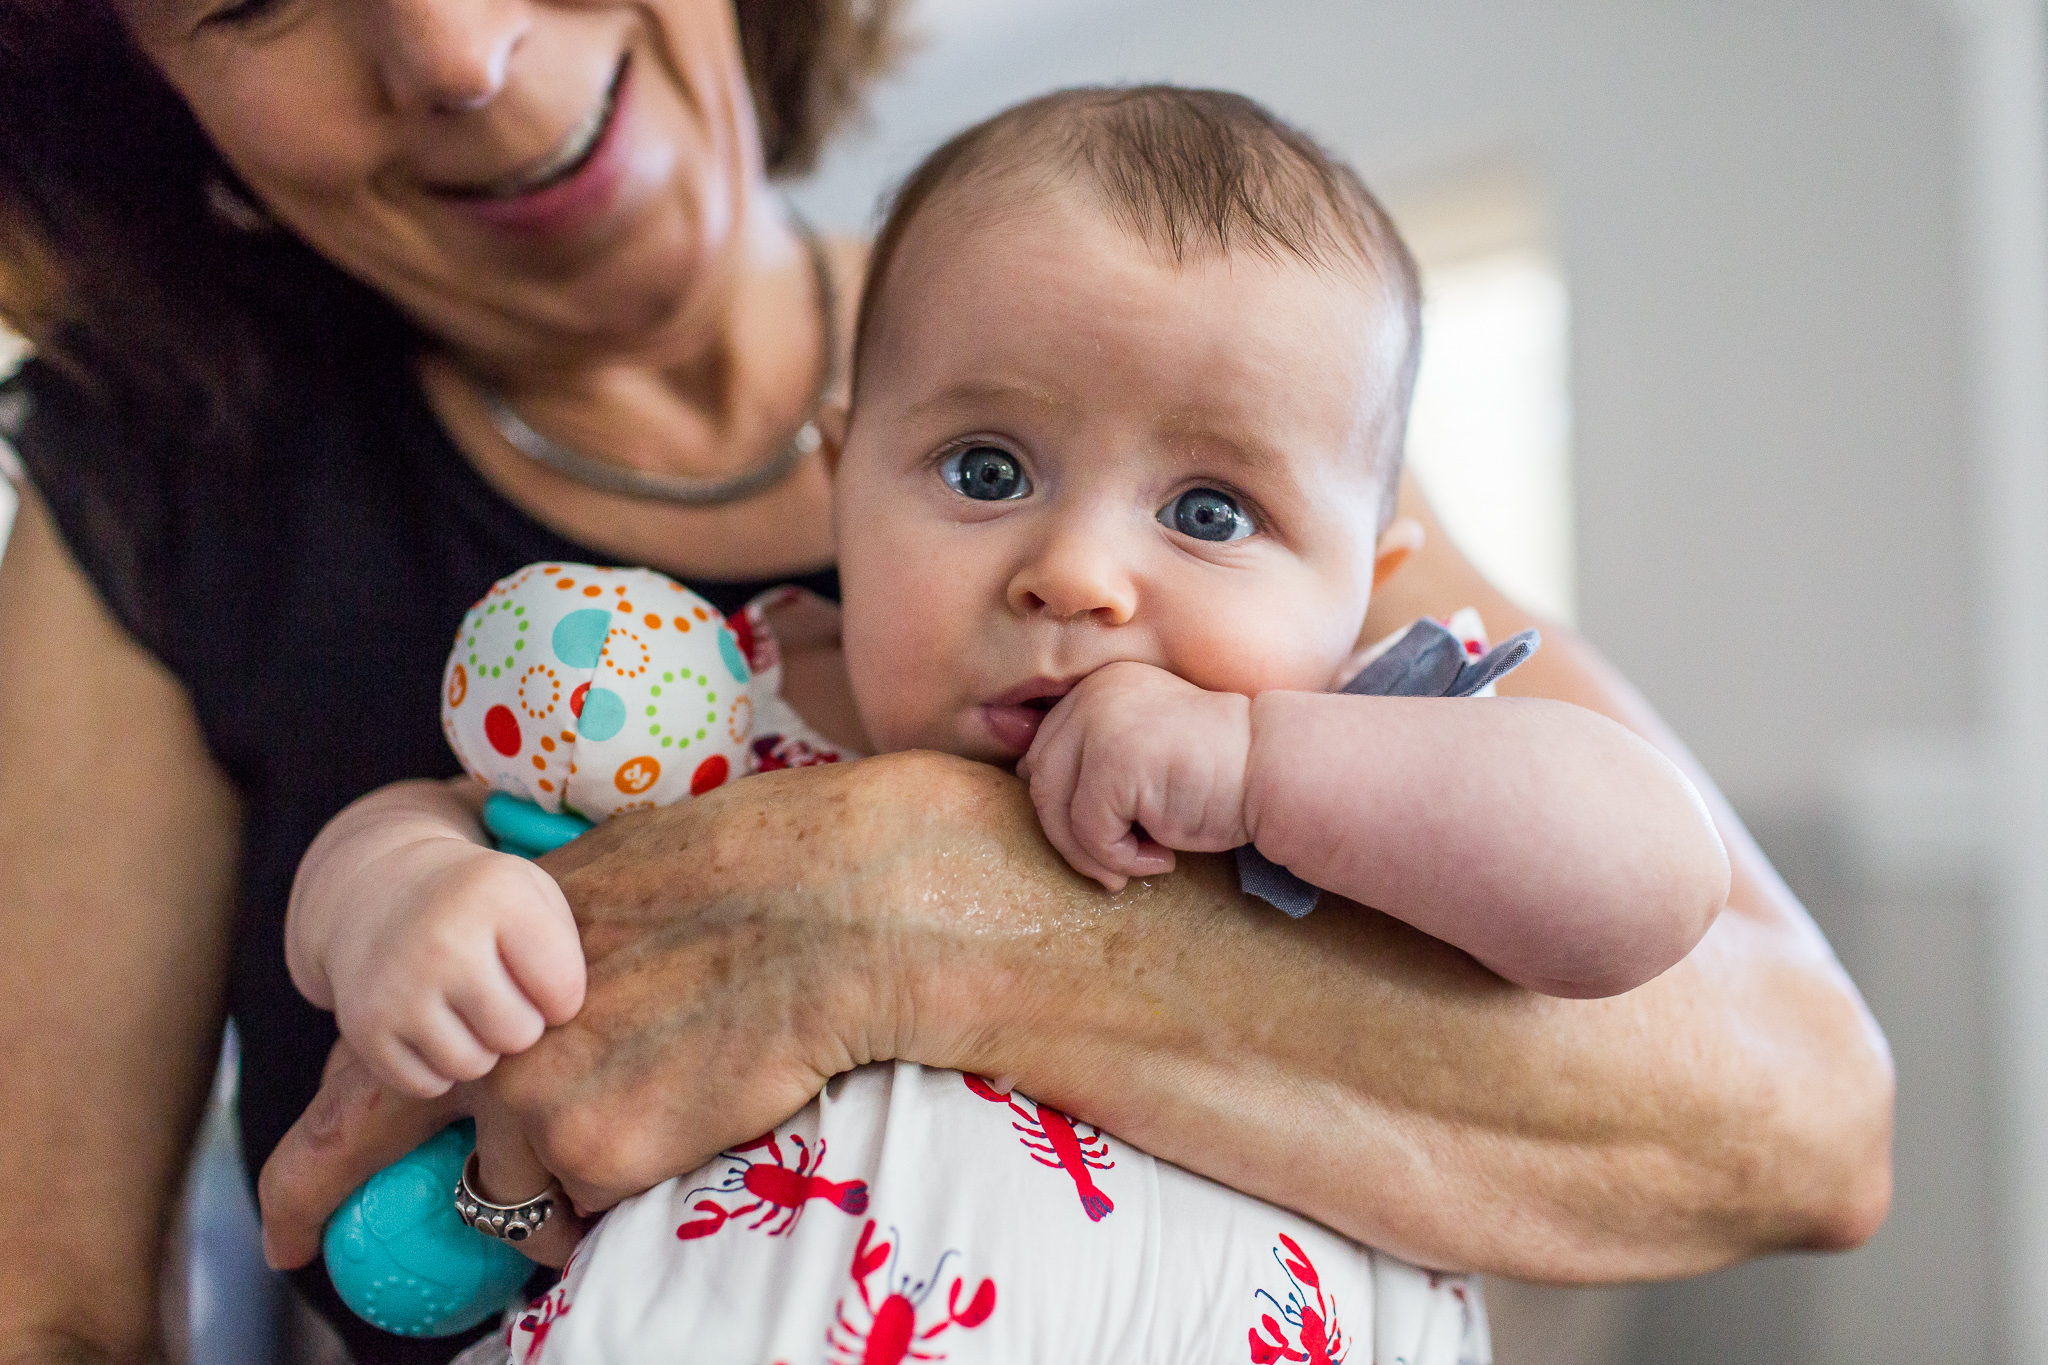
x=1079, y=572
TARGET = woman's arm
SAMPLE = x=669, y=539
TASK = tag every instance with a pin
x=744, y=947
x=117, y=850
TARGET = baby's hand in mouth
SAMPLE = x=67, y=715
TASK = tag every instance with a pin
x=1134, y=763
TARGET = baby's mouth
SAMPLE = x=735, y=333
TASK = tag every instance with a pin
x=1014, y=717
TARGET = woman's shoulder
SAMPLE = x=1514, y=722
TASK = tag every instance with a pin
x=148, y=509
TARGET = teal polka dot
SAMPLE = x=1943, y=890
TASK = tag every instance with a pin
x=579, y=636
x=729, y=649
x=604, y=714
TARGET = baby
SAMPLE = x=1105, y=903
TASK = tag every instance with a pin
x=1114, y=490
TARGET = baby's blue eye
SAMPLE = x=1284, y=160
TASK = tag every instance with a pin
x=986, y=474
x=1205, y=514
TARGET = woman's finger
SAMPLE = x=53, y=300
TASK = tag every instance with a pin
x=508, y=1173
x=354, y=1128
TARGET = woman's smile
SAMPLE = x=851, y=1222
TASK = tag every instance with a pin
x=577, y=154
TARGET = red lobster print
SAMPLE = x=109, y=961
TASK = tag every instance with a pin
x=1315, y=1336
x=536, y=1321
x=892, y=1334
x=1053, y=1140
x=780, y=1191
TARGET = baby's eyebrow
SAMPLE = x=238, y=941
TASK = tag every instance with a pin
x=982, y=393
x=1210, y=440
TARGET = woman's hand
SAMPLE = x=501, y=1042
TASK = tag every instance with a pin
x=737, y=948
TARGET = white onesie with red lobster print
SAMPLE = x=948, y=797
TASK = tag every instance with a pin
x=915, y=1215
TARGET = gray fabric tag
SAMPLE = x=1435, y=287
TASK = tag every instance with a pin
x=1427, y=661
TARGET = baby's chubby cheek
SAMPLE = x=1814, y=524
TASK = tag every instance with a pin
x=1262, y=642
x=904, y=673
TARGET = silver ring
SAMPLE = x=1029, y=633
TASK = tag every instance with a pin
x=506, y=1222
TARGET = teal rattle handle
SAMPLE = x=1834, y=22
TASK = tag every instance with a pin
x=398, y=1255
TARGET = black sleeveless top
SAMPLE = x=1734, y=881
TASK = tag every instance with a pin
x=306, y=599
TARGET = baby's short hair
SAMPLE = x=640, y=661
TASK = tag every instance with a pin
x=1190, y=173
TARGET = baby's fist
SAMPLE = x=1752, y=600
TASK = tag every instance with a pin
x=1134, y=763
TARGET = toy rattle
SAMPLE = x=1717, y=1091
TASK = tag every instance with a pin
x=574, y=693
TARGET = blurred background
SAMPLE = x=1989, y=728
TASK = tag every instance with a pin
x=1737, y=358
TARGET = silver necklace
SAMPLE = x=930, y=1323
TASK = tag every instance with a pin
x=680, y=489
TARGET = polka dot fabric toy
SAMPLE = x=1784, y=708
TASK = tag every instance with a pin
x=591, y=691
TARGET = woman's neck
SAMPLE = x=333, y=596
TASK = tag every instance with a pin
x=716, y=388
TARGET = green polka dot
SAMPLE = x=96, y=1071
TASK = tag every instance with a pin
x=654, y=691
x=700, y=733
x=711, y=696
x=652, y=710
x=667, y=742
x=711, y=715
x=654, y=729
x=519, y=644
x=509, y=661
x=668, y=677
x=526, y=625
x=519, y=611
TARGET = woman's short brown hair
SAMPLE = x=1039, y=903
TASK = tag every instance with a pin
x=111, y=263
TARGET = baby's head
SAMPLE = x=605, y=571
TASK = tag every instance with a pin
x=1132, y=383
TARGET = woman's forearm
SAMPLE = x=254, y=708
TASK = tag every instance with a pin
x=117, y=854
x=1381, y=1082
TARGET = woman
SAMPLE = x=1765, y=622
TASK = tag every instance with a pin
x=351, y=306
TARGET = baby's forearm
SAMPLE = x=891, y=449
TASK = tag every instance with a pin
x=1551, y=844
x=328, y=881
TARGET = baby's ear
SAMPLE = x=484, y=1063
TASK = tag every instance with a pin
x=831, y=423
x=1402, y=538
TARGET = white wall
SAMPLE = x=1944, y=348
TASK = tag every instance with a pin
x=1761, y=212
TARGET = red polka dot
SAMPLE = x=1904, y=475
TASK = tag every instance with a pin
x=501, y=727
x=710, y=774
x=576, y=701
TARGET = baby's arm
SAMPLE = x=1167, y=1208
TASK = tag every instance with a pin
x=1554, y=846
x=436, y=954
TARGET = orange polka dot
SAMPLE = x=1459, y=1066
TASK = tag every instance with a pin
x=540, y=763
x=547, y=744
x=621, y=590
x=458, y=686
x=546, y=785
x=653, y=621
x=568, y=736
x=702, y=615
x=636, y=775
x=682, y=623
x=566, y=584
x=592, y=591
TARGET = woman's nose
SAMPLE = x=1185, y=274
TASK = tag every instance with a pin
x=448, y=56
x=1078, y=572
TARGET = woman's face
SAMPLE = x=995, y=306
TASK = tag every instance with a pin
x=527, y=178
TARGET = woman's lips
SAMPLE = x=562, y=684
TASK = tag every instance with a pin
x=572, y=185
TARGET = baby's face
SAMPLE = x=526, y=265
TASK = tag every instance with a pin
x=1067, y=452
